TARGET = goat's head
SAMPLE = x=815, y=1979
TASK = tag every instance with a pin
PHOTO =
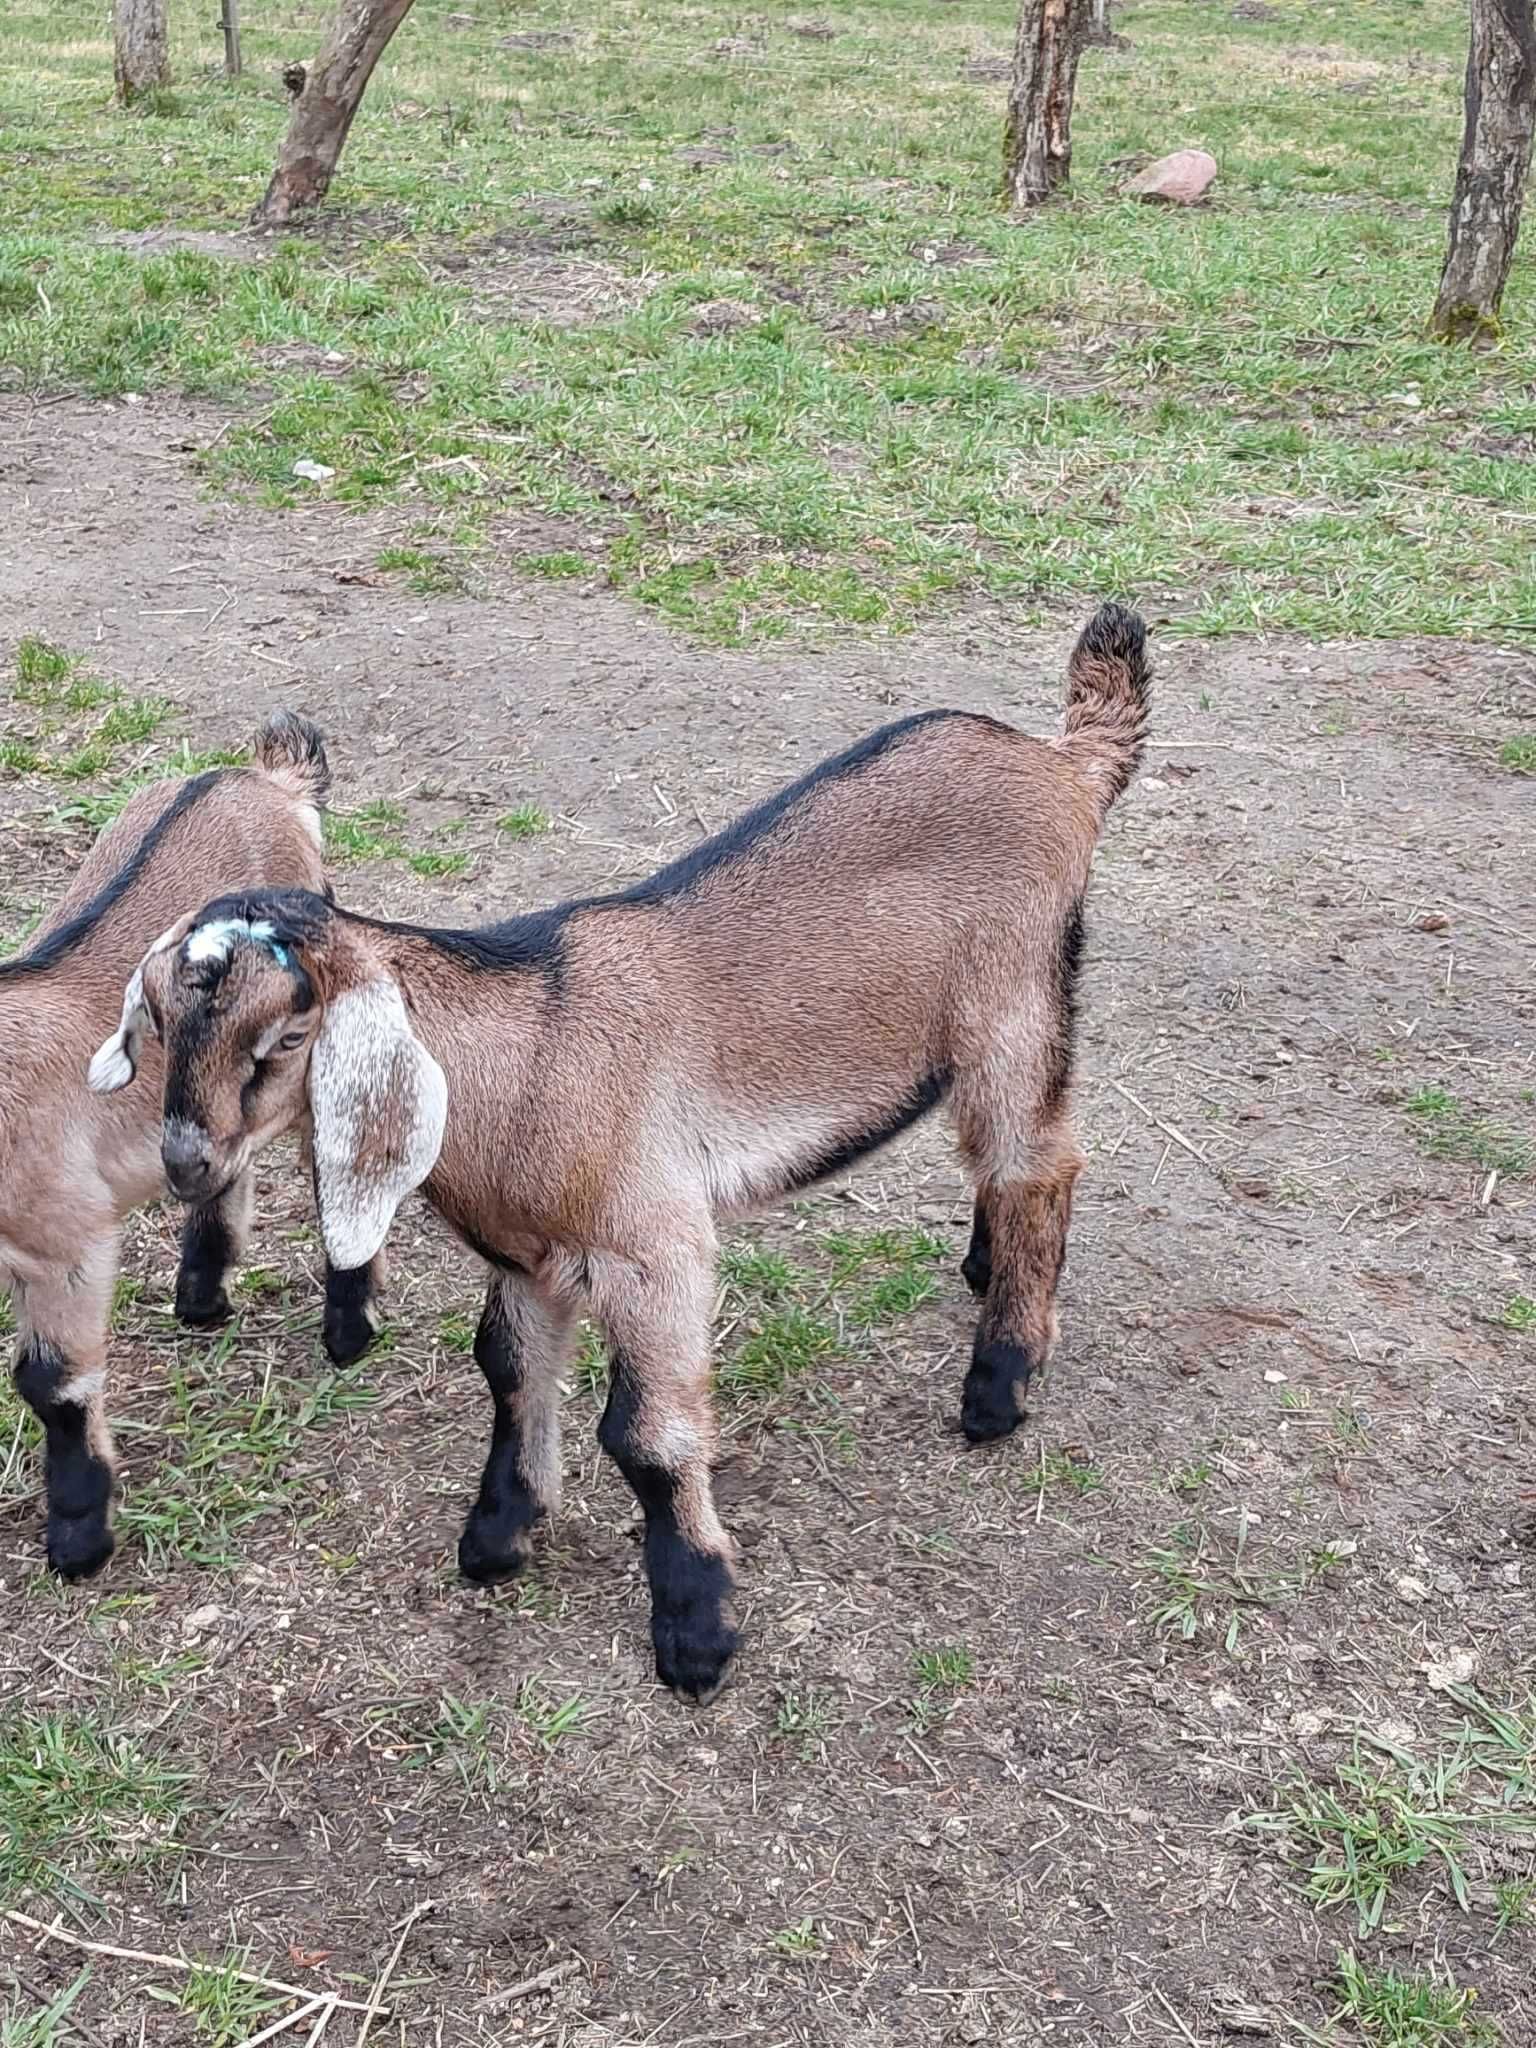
x=268, y=1022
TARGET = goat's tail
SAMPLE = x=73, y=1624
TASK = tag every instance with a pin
x=1109, y=697
x=289, y=747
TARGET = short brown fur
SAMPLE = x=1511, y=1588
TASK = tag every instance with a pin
x=901, y=927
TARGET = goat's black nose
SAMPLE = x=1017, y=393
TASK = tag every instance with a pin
x=187, y=1155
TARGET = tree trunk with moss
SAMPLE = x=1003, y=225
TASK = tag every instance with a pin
x=1037, y=138
x=322, y=115
x=141, y=47
x=1491, y=175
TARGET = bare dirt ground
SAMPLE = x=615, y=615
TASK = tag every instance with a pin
x=1287, y=1415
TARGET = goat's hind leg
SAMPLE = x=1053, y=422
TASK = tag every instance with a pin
x=212, y=1239
x=520, y=1346
x=61, y=1375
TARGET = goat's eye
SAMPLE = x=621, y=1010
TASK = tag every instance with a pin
x=290, y=1041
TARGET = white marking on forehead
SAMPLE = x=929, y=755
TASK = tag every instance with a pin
x=218, y=940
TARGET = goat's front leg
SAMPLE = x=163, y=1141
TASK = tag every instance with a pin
x=659, y=1430
x=61, y=1375
x=520, y=1346
x=212, y=1239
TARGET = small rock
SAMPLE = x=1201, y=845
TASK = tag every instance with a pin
x=1182, y=179
x=1455, y=1667
x=1275, y=1379
x=1411, y=1589
x=201, y=1619
x=1436, y=921
x=312, y=472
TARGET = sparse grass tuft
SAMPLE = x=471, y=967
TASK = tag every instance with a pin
x=1519, y=1313
x=526, y=822
x=42, y=2026
x=1446, y=1130
x=222, y=2007
x=945, y=1670
x=1395, y=2011
x=1519, y=755
x=549, y=1719
x=437, y=865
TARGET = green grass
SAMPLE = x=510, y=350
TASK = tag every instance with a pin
x=783, y=1348
x=949, y=1669
x=526, y=822
x=30, y=2025
x=79, y=1801
x=228, y=1456
x=1390, y=1812
x=1447, y=1130
x=1519, y=755
x=1391, y=2010
x=223, y=2009
x=1519, y=1313
x=437, y=865
x=925, y=398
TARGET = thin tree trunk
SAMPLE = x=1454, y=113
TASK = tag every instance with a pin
x=140, y=47
x=1491, y=175
x=322, y=115
x=1037, y=138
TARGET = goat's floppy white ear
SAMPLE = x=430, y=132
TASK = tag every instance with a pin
x=378, y=1101
x=114, y=1064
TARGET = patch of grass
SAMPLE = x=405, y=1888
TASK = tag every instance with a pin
x=1519, y=755
x=1445, y=1130
x=802, y=1942
x=1514, y=1900
x=222, y=2007
x=1205, y=1581
x=589, y=1368
x=783, y=1348
x=526, y=822
x=948, y=1669
x=430, y=575
x=13, y=942
x=757, y=1271
x=230, y=1457
x=1390, y=1811
x=1519, y=1313
x=456, y=1332
x=43, y=671
x=437, y=865
x=42, y=2026
x=549, y=1719
x=1305, y=458
x=1390, y=2010
x=805, y=1719
x=1069, y=1470
x=349, y=838
x=78, y=1801
x=559, y=566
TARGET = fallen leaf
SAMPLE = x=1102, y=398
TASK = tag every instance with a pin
x=308, y=1958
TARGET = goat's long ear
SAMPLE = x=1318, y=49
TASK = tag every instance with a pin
x=114, y=1064
x=378, y=1101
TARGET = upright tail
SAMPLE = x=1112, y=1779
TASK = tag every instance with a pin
x=291, y=750
x=1109, y=697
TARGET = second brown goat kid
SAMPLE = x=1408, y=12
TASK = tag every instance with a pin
x=583, y=1092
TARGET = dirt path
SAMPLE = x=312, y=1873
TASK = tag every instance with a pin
x=1286, y=1397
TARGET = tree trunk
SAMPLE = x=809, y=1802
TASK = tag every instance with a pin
x=1490, y=177
x=141, y=47
x=1037, y=139
x=333, y=90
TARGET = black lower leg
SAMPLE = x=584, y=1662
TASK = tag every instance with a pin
x=350, y=1319
x=498, y=1536
x=207, y=1253
x=79, y=1482
x=992, y=1404
x=690, y=1582
x=976, y=1266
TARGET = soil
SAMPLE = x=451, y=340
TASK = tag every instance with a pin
x=1282, y=1326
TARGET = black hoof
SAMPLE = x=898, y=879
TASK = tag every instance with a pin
x=488, y=1555
x=346, y=1336
x=694, y=1648
x=992, y=1404
x=200, y=1310
x=78, y=1548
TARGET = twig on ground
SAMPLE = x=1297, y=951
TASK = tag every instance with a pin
x=526, y=1986
x=376, y=2002
x=143, y=1955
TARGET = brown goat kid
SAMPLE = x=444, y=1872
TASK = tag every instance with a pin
x=72, y=1165
x=584, y=1091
